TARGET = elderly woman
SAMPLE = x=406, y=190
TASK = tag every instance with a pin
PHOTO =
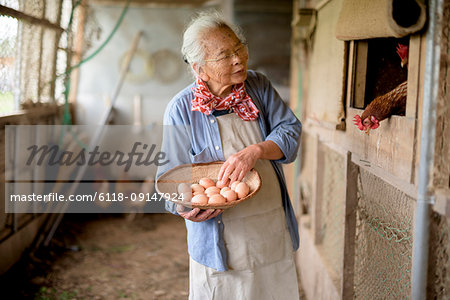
x=234, y=115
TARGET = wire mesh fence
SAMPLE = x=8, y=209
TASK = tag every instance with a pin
x=332, y=212
x=8, y=46
x=29, y=37
x=30, y=62
x=384, y=214
x=33, y=56
x=10, y=3
x=383, y=247
x=439, y=260
x=35, y=8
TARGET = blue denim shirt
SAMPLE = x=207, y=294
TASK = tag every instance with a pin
x=195, y=138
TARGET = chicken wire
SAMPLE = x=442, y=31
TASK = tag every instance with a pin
x=3, y=216
x=332, y=212
x=30, y=63
x=34, y=69
x=53, y=11
x=383, y=243
x=35, y=8
x=28, y=54
x=439, y=260
x=39, y=51
x=14, y=4
x=64, y=43
x=8, y=49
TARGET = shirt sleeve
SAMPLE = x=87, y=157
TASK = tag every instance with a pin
x=284, y=129
x=175, y=143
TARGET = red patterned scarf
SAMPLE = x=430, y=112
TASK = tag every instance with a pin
x=238, y=100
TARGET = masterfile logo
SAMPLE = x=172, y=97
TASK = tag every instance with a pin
x=88, y=169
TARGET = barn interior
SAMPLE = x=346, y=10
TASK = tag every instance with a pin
x=372, y=205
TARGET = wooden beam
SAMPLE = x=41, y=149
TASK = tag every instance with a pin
x=55, y=52
x=16, y=244
x=317, y=191
x=41, y=111
x=351, y=202
x=7, y=11
x=362, y=49
x=155, y=3
x=350, y=76
x=442, y=202
x=77, y=50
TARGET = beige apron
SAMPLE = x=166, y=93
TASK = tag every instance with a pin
x=259, y=248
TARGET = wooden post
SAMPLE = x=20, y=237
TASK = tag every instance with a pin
x=4, y=10
x=317, y=191
x=97, y=135
x=351, y=201
x=78, y=51
x=57, y=35
x=362, y=48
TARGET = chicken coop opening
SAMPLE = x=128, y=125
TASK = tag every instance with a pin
x=405, y=12
x=379, y=69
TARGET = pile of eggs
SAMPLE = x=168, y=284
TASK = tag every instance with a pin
x=206, y=191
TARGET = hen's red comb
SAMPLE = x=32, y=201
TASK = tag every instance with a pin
x=358, y=123
x=402, y=51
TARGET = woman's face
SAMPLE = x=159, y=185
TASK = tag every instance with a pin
x=225, y=61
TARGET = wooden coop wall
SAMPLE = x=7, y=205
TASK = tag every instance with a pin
x=321, y=109
x=42, y=52
x=441, y=174
x=357, y=192
x=439, y=262
x=18, y=231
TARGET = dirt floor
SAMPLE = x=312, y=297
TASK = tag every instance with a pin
x=141, y=256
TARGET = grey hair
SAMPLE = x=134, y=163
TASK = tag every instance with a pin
x=192, y=49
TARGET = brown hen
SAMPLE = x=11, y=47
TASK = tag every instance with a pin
x=384, y=106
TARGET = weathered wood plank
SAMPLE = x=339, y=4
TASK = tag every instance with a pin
x=317, y=191
x=359, y=75
x=351, y=202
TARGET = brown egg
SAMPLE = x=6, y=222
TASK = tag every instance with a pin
x=230, y=195
x=212, y=190
x=198, y=193
x=222, y=183
x=242, y=190
x=197, y=188
x=217, y=199
x=200, y=199
x=186, y=196
x=184, y=188
x=234, y=184
x=206, y=182
x=223, y=190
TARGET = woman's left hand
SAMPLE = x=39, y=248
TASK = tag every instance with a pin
x=197, y=214
x=238, y=164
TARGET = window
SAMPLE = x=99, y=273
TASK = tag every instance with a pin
x=378, y=69
x=8, y=45
x=374, y=69
x=34, y=50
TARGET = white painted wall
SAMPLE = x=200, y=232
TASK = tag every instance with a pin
x=162, y=30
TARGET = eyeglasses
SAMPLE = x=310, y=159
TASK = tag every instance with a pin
x=240, y=52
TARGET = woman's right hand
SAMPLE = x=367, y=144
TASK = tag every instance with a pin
x=197, y=214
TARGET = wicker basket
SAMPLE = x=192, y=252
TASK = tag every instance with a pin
x=167, y=183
